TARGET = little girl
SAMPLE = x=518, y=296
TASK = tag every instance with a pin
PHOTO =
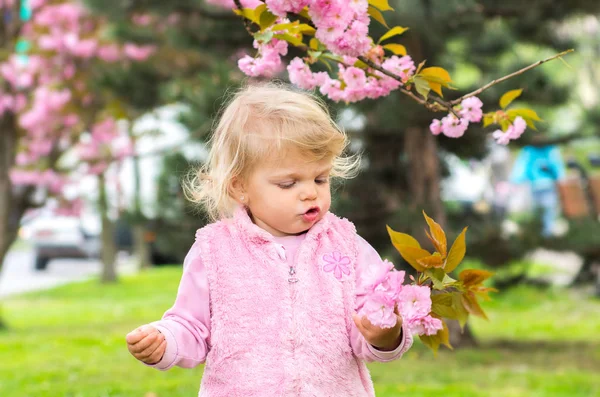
x=268, y=294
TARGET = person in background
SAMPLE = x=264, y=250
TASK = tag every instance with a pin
x=541, y=167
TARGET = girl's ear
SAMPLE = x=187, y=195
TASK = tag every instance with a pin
x=237, y=190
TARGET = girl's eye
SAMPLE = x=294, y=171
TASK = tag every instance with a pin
x=286, y=185
x=322, y=181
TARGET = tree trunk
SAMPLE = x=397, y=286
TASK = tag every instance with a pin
x=109, y=251
x=11, y=207
x=141, y=248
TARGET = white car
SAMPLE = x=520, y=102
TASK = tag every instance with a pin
x=56, y=236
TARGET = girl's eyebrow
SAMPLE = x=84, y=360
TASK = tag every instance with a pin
x=296, y=175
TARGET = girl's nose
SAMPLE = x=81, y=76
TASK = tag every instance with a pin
x=309, y=192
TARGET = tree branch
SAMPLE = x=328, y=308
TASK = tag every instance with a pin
x=247, y=23
x=500, y=80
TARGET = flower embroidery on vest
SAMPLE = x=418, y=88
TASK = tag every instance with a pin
x=337, y=263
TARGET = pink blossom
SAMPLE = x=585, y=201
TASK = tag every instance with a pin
x=379, y=309
x=141, y=19
x=471, y=109
x=501, y=137
x=393, y=283
x=138, y=52
x=453, y=127
x=355, y=78
x=425, y=326
x=519, y=126
x=436, y=127
x=301, y=75
x=514, y=131
x=109, y=53
x=375, y=275
x=414, y=302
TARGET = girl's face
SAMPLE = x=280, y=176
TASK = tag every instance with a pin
x=288, y=195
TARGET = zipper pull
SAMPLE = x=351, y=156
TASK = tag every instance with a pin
x=292, y=278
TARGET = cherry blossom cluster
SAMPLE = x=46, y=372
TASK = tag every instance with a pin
x=381, y=289
x=454, y=127
x=514, y=131
x=46, y=87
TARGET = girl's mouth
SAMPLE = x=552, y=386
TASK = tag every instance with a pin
x=312, y=214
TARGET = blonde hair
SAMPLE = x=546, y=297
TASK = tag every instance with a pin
x=261, y=120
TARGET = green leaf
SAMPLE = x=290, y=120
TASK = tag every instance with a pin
x=441, y=304
x=397, y=49
x=457, y=252
x=266, y=19
x=314, y=44
x=462, y=315
x=422, y=86
x=395, y=31
x=377, y=15
x=437, y=278
x=264, y=37
x=509, y=96
x=382, y=5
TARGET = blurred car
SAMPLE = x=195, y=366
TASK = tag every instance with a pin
x=55, y=236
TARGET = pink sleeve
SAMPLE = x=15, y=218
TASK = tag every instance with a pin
x=186, y=325
x=362, y=349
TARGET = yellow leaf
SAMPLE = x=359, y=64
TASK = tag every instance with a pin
x=438, y=236
x=436, y=77
x=259, y=10
x=527, y=114
x=488, y=119
x=397, y=49
x=474, y=277
x=395, y=31
x=382, y=5
x=431, y=261
x=412, y=255
x=470, y=303
x=509, y=96
x=247, y=13
x=304, y=13
x=306, y=29
x=402, y=238
x=290, y=39
x=457, y=252
x=377, y=15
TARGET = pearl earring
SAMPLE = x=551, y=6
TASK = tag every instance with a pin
x=242, y=198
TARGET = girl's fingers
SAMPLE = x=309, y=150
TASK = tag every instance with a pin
x=146, y=342
x=135, y=336
x=157, y=355
x=152, y=348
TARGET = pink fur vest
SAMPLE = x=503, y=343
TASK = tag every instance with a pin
x=273, y=337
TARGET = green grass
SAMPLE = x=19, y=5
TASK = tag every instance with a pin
x=70, y=342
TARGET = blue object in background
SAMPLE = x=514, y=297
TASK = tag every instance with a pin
x=541, y=167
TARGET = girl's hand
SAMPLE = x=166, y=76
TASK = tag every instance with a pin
x=147, y=344
x=384, y=339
